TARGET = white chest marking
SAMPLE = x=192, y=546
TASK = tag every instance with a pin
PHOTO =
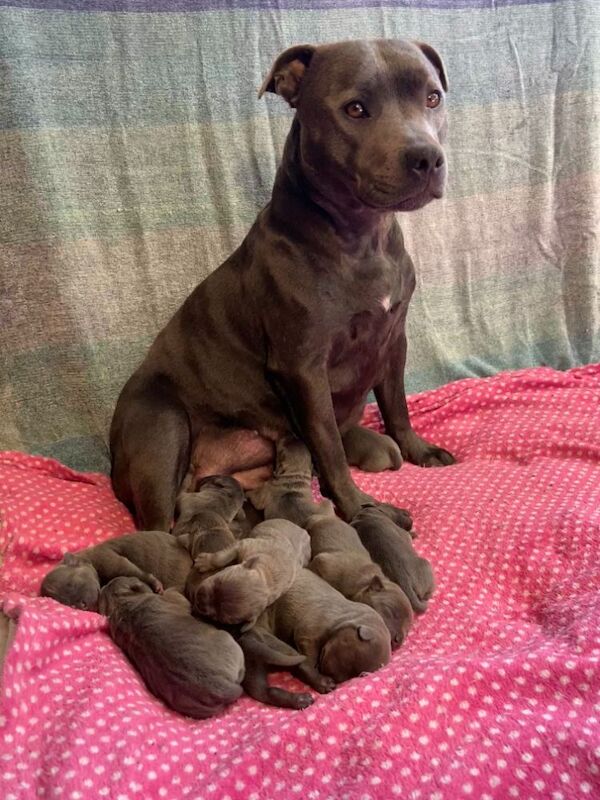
x=386, y=302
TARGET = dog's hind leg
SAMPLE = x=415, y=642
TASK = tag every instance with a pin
x=370, y=451
x=150, y=450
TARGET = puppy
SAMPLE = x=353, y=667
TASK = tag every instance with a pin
x=207, y=517
x=265, y=567
x=155, y=557
x=340, y=558
x=264, y=653
x=194, y=668
x=341, y=639
x=391, y=547
x=288, y=494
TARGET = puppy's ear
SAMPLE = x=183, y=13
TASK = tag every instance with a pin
x=432, y=55
x=376, y=584
x=364, y=633
x=250, y=563
x=287, y=72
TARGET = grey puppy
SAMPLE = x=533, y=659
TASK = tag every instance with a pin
x=154, y=557
x=194, y=668
x=340, y=558
x=341, y=639
x=206, y=518
x=288, y=495
x=392, y=548
x=264, y=567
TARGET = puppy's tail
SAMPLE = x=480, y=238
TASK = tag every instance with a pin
x=262, y=646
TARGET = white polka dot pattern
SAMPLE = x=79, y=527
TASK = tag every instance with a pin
x=495, y=694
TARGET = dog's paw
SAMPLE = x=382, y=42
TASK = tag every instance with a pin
x=424, y=454
x=302, y=700
x=400, y=516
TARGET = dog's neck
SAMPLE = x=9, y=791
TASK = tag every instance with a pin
x=296, y=191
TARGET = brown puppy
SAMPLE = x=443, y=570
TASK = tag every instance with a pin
x=265, y=567
x=340, y=639
x=194, y=668
x=391, y=547
x=155, y=557
x=265, y=653
x=288, y=495
x=206, y=518
x=340, y=558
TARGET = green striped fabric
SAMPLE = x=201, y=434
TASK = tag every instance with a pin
x=134, y=155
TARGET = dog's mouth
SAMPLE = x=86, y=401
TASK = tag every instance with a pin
x=386, y=198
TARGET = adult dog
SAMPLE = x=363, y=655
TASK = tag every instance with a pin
x=308, y=315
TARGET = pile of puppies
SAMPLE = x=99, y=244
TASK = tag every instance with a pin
x=212, y=607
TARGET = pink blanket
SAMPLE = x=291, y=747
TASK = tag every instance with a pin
x=494, y=694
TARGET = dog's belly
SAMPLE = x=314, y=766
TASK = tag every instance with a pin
x=357, y=357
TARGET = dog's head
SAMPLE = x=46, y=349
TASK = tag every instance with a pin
x=73, y=583
x=118, y=589
x=392, y=605
x=372, y=119
x=352, y=650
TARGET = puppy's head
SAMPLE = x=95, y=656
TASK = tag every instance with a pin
x=119, y=589
x=73, y=583
x=372, y=119
x=354, y=649
x=392, y=605
x=234, y=595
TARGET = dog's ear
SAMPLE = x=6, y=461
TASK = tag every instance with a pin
x=71, y=560
x=435, y=58
x=287, y=72
x=364, y=633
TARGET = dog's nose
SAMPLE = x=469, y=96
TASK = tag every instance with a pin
x=424, y=159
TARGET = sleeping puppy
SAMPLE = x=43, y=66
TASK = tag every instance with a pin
x=288, y=495
x=207, y=517
x=194, y=668
x=264, y=653
x=391, y=547
x=264, y=567
x=340, y=558
x=155, y=557
x=341, y=639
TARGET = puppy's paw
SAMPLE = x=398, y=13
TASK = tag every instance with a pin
x=203, y=562
x=154, y=584
x=324, y=684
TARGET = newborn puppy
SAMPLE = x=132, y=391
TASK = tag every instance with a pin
x=340, y=639
x=340, y=558
x=194, y=668
x=391, y=547
x=288, y=494
x=155, y=557
x=265, y=567
x=265, y=653
x=205, y=518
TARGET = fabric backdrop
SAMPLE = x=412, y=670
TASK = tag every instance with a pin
x=134, y=155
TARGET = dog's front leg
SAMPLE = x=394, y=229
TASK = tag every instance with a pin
x=391, y=398
x=307, y=396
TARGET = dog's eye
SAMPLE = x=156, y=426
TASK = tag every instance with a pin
x=434, y=99
x=356, y=110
